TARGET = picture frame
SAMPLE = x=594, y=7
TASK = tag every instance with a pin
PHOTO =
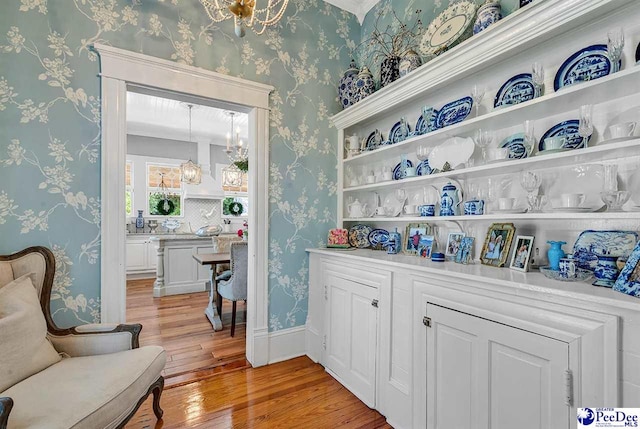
x=413, y=232
x=465, y=252
x=522, y=253
x=454, y=240
x=497, y=243
x=425, y=246
x=628, y=281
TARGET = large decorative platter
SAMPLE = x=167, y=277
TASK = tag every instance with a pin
x=454, y=112
x=359, y=236
x=423, y=168
x=398, y=171
x=568, y=129
x=451, y=27
x=516, y=90
x=590, y=244
x=422, y=127
x=455, y=151
x=371, y=143
x=515, y=143
x=397, y=133
x=587, y=64
x=378, y=236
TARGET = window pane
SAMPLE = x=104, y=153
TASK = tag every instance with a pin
x=171, y=176
x=226, y=206
x=128, y=198
x=128, y=178
x=158, y=206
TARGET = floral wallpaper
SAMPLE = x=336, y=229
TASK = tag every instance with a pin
x=50, y=127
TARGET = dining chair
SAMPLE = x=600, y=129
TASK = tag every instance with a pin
x=235, y=289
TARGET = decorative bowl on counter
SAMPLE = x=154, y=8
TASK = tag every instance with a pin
x=581, y=275
x=171, y=224
x=209, y=231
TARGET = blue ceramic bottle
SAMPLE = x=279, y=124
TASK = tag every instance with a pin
x=140, y=220
x=555, y=253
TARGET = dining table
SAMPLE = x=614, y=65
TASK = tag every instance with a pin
x=213, y=260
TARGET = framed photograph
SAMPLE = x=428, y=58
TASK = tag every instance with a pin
x=629, y=279
x=465, y=251
x=453, y=243
x=522, y=254
x=495, y=250
x=412, y=236
x=425, y=246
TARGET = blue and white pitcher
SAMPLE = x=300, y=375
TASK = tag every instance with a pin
x=450, y=200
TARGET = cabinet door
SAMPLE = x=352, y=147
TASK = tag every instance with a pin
x=351, y=335
x=136, y=256
x=152, y=254
x=483, y=374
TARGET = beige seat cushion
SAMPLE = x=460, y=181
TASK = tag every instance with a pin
x=85, y=392
x=24, y=348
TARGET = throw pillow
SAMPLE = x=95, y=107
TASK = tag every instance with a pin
x=24, y=347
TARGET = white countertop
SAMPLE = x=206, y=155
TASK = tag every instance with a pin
x=175, y=237
x=534, y=282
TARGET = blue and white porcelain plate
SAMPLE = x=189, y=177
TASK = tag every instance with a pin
x=515, y=143
x=568, y=129
x=587, y=64
x=422, y=127
x=398, y=172
x=454, y=112
x=516, y=90
x=423, y=168
x=371, y=143
x=590, y=244
x=359, y=236
x=397, y=133
x=378, y=236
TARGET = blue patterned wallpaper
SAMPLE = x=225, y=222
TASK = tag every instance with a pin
x=50, y=136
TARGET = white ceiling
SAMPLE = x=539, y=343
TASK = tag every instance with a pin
x=357, y=7
x=152, y=116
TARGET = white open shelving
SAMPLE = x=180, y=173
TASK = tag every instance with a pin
x=624, y=215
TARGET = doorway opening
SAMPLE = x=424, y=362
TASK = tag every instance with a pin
x=170, y=219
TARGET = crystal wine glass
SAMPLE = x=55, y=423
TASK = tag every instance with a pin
x=537, y=76
x=401, y=195
x=615, y=44
x=477, y=94
x=422, y=152
x=529, y=137
x=585, y=129
x=530, y=182
x=483, y=139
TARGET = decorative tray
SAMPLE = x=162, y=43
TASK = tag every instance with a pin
x=581, y=275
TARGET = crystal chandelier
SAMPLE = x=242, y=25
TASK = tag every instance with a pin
x=236, y=151
x=255, y=14
x=190, y=172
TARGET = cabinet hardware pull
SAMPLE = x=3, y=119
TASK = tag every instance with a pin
x=375, y=303
x=426, y=321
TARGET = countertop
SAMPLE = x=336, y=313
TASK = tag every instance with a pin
x=532, y=282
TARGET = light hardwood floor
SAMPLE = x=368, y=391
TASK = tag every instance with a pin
x=293, y=394
x=177, y=323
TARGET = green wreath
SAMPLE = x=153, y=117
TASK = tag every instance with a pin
x=235, y=208
x=160, y=207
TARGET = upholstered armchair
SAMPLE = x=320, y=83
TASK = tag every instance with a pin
x=91, y=376
x=221, y=244
x=235, y=289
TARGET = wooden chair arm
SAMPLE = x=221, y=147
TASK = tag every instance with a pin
x=99, y=328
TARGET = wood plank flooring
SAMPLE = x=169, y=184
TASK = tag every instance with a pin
x=293, y=394
x=177, y=323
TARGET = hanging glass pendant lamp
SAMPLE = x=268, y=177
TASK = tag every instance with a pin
x=190, y=172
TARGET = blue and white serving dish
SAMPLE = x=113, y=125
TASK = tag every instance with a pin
x=591, y=243
x=454, y=112
x=422, y=127
x=423, y=168
x=568, y=129
x=359, y=236
x=398, y=171
x=587, y=64
x=515, y=144
x=378, y=236
x=373, y=141
x=516, y=90
x=399, y=132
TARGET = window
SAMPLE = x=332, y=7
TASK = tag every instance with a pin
x=129, y=189
x=169, y=175
x=228, y=211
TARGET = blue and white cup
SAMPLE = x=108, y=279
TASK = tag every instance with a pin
x=427, y=210
x=474, y=207
x=568, y=268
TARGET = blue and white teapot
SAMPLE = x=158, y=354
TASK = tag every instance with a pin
x=450, y=200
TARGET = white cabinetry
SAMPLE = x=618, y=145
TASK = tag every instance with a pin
x=141, y=255
x=482, y=374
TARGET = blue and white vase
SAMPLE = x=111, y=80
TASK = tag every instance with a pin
x=389, y=70
x=346, y=88
x=140, y=220
x=410, y=61
x=364, y=84
x=489, y=13
x=606, y=271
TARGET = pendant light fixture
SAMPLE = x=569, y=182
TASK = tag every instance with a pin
x=190, y=172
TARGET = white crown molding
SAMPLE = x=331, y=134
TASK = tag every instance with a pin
x=359, y=9
x=529, y=26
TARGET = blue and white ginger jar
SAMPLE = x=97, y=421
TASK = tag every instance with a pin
x=346, y=89
x=489, y=13
x=410, y=61
x=364, y=84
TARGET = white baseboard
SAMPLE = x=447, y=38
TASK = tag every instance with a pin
x=141, y=275
x=179, y=289
x=286, y=344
